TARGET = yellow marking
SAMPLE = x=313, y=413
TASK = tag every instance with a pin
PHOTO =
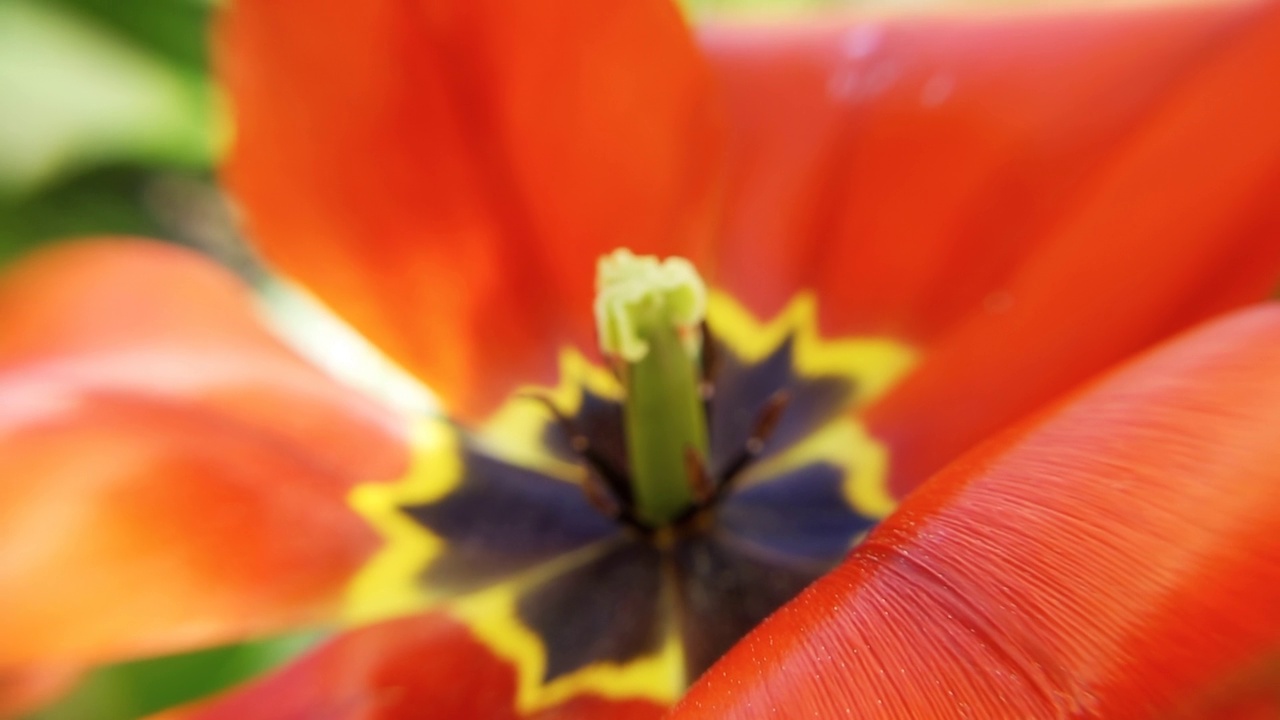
x=844, y=443
x=389, y=584
x=515, y=431
x=491, y=615
x=875, y=364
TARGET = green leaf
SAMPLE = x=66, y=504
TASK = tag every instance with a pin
x=108, y=201
x=77, y=93
x=135, y=689
x=174, y=30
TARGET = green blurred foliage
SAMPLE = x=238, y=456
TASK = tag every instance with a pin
x=135, y=689
x=96, y=97
x=105, y=200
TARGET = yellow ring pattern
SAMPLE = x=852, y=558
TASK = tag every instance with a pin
x=389, y=585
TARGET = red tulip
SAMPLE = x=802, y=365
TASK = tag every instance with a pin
x=977, y=214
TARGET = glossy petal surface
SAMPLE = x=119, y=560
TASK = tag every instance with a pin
x=1116, y=558
x=416, y=668
x=445, y=174
x=1030, y=197
x=170, y=474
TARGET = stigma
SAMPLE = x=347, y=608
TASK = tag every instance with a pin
x=641, y=296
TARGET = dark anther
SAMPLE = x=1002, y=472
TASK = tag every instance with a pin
x=579, y=442
x=599, y=494
x=710, y=363
x=704, y=487
x=766, y=422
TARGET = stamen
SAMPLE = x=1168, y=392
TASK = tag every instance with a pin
x=767, y=421
x=700, y=480
x=600, y=496
x=596, y=464
x=710, y=363
x=765, y=424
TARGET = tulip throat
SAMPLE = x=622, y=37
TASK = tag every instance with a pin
x=613, y=534
x=649, y=317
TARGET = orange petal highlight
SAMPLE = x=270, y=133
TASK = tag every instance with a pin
x=446, y=174
x=170, y=474
x=1116, y=558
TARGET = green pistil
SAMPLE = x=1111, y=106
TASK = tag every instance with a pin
x=648, y=314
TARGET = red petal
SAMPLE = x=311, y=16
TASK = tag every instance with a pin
x=1118, y=558
x=446, y=174
x=1030, y=197
x=415, y=668
x=170, y=474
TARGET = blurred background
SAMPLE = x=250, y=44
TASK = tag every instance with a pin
x=108, y=122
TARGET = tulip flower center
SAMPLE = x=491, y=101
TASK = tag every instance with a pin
x=614, y=535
